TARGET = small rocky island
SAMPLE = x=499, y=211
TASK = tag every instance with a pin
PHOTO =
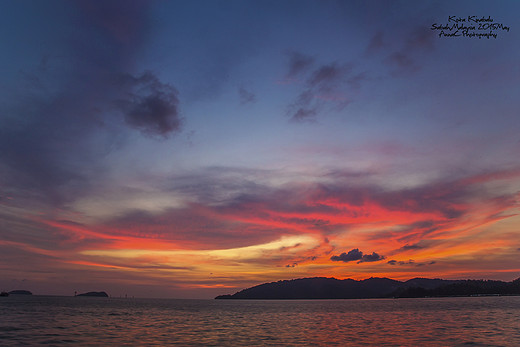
x=332, y=288
x=20, y=292
x=95, y=294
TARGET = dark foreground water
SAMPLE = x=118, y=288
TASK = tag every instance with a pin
x=475, y=321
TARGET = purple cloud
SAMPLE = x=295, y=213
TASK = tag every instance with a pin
x=298, y=63
x=356, y=254
x=352, y=255
x=150, y=105
x=324, y=88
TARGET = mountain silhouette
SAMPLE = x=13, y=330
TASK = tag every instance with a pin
x=332, y=288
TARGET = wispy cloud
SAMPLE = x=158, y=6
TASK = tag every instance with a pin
x=326, y=85
x=375, y=44
x=246, y=96
x=410, y=262
x=298, y=63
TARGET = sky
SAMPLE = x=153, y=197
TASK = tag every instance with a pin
x=187, y=149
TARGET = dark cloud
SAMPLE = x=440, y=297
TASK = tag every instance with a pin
x=352, y=255
x=53, y=134
x=409, y=247
x=113, y=34
x=246, y=96
x=298, y=63
x=324, y=88
x=356, y=254
x=327, y=75
x=395, y=262
x=303, y=114
x=150, y=105
x=410, y=262
x=371, y=257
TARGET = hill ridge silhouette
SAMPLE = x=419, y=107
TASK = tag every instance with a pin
x=373, y=287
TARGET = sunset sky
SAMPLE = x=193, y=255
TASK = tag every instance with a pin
x=189, y=149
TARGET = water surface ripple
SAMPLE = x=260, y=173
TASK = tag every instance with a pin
x=85, y=321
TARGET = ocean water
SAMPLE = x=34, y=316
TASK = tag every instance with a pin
x=86, y=321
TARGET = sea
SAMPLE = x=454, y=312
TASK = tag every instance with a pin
x=94, y=321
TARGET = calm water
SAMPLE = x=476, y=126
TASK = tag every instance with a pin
x=477, y=321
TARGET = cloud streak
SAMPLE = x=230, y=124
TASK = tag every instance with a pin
x=325, y=84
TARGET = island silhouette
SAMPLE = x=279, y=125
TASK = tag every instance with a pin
x=332, y=288
x=96, y=294
x=20, y=292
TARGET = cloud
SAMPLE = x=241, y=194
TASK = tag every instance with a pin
x=324, y=88
x=303, y=114
x=409, y=247
x=356, y=254
x=410, y=262
x=246, y=96
x=402, y=63
x=376, y=44
x=54, y=139
x=403, y=56
x=298, y=63
x=395, y=262
x=150, y=105
x=352, y=255
x=225, y=208
x=371, y=257
x=327, y=75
